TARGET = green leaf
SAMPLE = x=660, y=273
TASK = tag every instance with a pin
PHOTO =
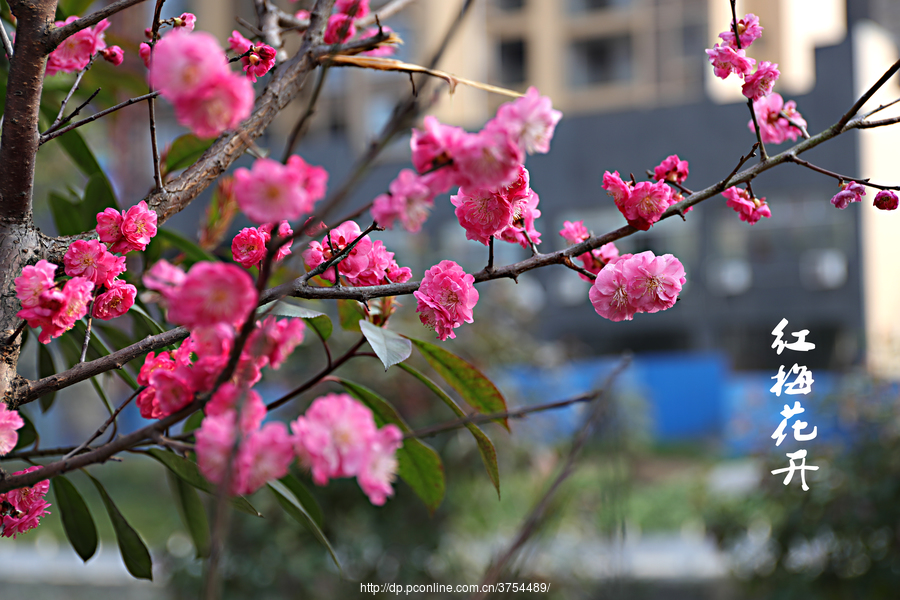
x=350, y=314
x=193, y=515
x=143, y=313
x=134, y=552
x=27, y=433
x=322, y=325
x=185, y=151
x=75, y=146
x=193, y=422
x=292, y=506
x=76, y=517
x=318, y=321
x=485, y=446
x=389, y=346
x=189, y=471
x=74, y=7
x=46, y=368
x=193, y=252
x=98, y=196
x=476, y=389
x=305, y=497
x=419, y=465
x=116, y=336
x=67, y=215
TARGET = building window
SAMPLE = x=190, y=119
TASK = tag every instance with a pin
x=600, y=60
x=577, y=6
x=509, y=4
x=512, y=62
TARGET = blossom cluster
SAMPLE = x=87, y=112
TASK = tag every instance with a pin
x=445, y=298
x=190, y=71
x=748, y=207
x=259, y=59
x=342, y=25
x=506, y=213
x=636, y=283
x=91, y=266
x=21, y=509
x=270, y=191
x=731, y=57
x=77, y=50
x=367, y=263
x=337, y=437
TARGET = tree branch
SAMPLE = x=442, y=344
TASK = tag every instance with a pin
x=58, y=35
x=50, y=133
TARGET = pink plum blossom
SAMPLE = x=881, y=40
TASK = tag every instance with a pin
x=284, y=231
x=671, y=169
x=248, y=247
x=10, y=421
x=271, y=191
x=617, y=188
x=380, y=470
x=355, y=8
x=116, y=301
x=886, y=200
x=213, y=293
x=227, y=398
x=574, y=233
x=34, y=281
x=488, y=159
x=433, y=150
x=260, y=60
x=482, y=213
x=28, y=506
x=57, y=310
x=186, y=21
x=75, y=52
x=851, y=191
x=750, y=209
x=760, y=83
x=632, y=284
x=275, y=340
x=173, y=389
x=382, y=268
x=139, y=226
x=340, y=28
x=184, y=64
x=337, y=239
x=410, y=199
x=91, y=260
x=531, y=120
x=446, y=298
x=646, y=204
x=219, y=105
x=113, y=55
x=312, y=179
x=749, y=31
x=265, y=455
x=726, y=60
x=144, y=51
x=774, y=128
x=525, y=212
x=654, y=281
x=609, y=295
x=165, y=278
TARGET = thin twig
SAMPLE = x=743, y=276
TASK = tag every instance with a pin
x=872, y=124
x=7, y=44
x=79, y=108
x=570, y=264
x=532, y=522
x=315, y=379
x=53, y=134
x=534, y=250
x=74, y=88
x=295, y=135
x=106, y=424
x=737, y=40
x=87, y=333
x=9, y=341
x=866, y=96
x=840, y=177
x=880, y=108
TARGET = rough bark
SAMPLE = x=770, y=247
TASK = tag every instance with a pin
x=20, y=242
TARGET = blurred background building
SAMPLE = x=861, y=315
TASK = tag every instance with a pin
x=633, y=82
